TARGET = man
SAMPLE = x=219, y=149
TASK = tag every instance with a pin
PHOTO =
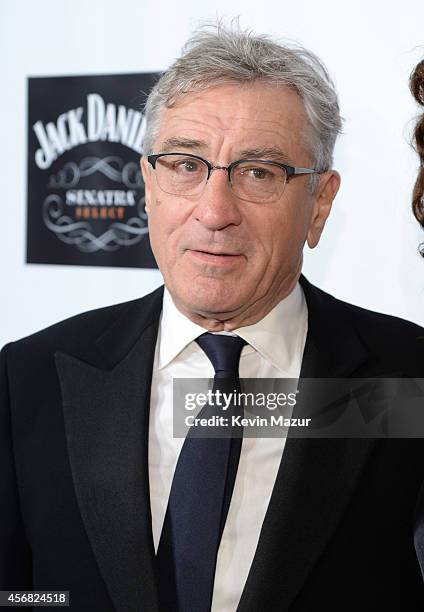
x=237, y=168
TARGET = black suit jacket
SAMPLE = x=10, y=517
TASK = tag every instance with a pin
x=75, y=510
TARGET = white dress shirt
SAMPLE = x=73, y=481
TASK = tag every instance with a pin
x=274, y=350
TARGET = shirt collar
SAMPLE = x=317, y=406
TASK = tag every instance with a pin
x=176, y=331
x=279, y=337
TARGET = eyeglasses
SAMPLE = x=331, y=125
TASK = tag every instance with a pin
x=255, y=180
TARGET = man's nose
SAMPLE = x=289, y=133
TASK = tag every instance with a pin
x=218, y=207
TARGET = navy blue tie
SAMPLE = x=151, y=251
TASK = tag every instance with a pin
x=200, y=495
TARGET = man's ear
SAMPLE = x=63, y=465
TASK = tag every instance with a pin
x=324, y=195
x=147, y=178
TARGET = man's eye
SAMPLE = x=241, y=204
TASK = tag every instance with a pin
x=256, y=173
x=259, y=173
x=187, y=165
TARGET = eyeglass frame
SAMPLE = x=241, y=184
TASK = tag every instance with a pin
x=291, y=171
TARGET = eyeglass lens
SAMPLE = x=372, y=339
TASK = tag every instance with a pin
x=250, y=180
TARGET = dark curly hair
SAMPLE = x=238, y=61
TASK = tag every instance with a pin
x=416, y=84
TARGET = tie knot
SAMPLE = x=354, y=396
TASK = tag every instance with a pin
x=223, y=352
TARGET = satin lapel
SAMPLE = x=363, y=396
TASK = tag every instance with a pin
x=106, y=415
x=316, y=477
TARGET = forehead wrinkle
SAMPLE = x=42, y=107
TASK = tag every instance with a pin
x=216, y=122
x=212, y=119
x=268, y=137
x=187, y=116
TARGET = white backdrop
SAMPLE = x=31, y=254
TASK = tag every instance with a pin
x=368, y=254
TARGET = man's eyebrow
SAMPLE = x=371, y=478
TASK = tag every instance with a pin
x=273, y=153
x=177, y=143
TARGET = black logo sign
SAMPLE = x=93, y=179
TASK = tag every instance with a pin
x=85, y=189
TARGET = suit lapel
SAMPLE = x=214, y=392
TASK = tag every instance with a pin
x=106, y=397
x=316, y=477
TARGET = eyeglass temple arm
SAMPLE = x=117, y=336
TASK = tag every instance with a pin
x=291, y=171
x=304, y=171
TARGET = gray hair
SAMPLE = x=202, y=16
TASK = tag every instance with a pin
x=216, y=54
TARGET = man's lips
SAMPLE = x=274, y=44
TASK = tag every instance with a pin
x=216, y=258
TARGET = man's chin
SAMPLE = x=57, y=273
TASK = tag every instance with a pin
x=215, y=309
x=211, y=303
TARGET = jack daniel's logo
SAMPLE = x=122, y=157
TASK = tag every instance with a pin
x=103, y=122
x=86, y=192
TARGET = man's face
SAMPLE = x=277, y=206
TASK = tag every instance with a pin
x=224, y=259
